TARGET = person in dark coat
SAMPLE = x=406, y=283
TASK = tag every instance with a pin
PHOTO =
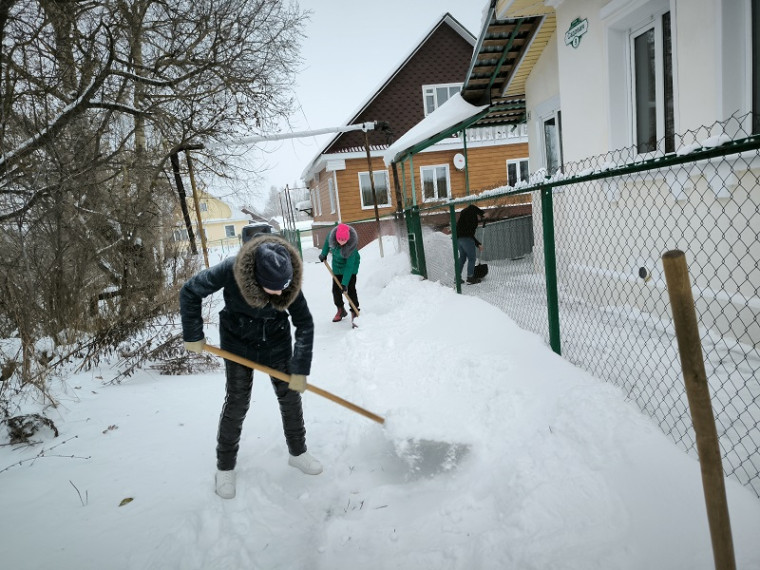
x=343, y=243
x=262, y=294
x=468, y=243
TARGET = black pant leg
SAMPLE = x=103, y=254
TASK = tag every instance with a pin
x=337, y=292
x=236, y=404
x=352, y=291
x=291, y=410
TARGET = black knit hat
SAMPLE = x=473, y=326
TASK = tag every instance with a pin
x=273, y=267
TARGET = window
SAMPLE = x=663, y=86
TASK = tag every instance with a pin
x=552, y=137
x=517, y=171
x=435, y=182
x=180, y=235
x=204, y=207
x=317, y=204
x=652, y=75
x=229, y=231
x=331, y=191
x=433, y=96
x=380, y=178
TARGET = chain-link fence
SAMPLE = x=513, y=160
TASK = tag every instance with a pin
x=602, y=225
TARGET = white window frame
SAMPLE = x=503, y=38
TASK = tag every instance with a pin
x=375, y=174
x=432, y=91
x=316, y=203
x=203, y=207
x=181, y=235
x=655, y=25
x=518, y=163
x=331, y=193
x=436, y=194
x=547, y=111
x=227, y=229
x=623, y=19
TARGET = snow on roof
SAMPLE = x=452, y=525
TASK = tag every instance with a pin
x=451, y=113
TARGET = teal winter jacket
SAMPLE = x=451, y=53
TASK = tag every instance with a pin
x=345, y=258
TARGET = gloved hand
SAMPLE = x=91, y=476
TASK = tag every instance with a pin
x=297, y=383
x=345, y=289
x=195, y=346
x=322, y=257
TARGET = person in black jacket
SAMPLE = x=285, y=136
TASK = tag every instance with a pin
x=466, y=226
x=262, y=288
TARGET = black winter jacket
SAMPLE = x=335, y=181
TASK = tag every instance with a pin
x=253, y=324
x=468, y=222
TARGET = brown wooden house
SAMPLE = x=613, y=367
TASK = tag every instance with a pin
x=339, y=176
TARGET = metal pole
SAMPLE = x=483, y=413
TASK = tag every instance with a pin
x=466, y=164
x=455, y=245
x=550, y=263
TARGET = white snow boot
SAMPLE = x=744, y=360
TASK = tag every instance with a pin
x=306, y=463
x=225, y=484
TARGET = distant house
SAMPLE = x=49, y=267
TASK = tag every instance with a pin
x=339, y=176
x=221, y=223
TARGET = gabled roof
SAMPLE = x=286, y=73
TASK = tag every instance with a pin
x=506, y=51
x=445, y=20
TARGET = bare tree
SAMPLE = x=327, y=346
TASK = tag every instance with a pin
x=95, y=96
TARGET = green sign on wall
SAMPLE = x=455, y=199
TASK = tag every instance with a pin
x=573, y=36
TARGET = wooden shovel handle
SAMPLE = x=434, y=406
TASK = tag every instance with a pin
x=350, y=302
x=286, y=378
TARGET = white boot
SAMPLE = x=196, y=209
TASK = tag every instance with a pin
x=225, y=484
x=306, y=463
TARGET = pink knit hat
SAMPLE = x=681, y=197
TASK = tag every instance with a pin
x=342, y=233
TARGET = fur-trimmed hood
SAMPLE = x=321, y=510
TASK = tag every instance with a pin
x=244, y=270
x=347, y=248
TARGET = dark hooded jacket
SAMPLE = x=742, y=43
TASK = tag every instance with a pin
x=468, y=222
x=253, y=324
x=346, y=257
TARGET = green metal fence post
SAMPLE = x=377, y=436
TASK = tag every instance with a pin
x=411, y=175
x=550, y=264
x=466, y=164
x=403, y=182
x=455, y=245
x=416, y=247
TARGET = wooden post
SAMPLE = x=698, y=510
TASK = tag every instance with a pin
x=197, y=207
x=698, y=393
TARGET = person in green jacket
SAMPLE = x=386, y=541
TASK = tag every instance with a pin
x=343, y=242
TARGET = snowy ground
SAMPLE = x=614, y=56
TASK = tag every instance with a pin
x=548, y=467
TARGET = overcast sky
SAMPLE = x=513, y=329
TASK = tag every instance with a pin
x=370, y=39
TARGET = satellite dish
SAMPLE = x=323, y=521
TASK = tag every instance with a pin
x=459, y=161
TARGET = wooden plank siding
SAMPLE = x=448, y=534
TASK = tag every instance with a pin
x=487, y=170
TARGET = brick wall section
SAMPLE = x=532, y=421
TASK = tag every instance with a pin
x=444, y=58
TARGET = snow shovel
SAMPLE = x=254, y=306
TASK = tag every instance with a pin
x=286, y=378
x=345, y=294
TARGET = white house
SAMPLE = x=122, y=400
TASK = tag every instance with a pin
x=619, y=73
